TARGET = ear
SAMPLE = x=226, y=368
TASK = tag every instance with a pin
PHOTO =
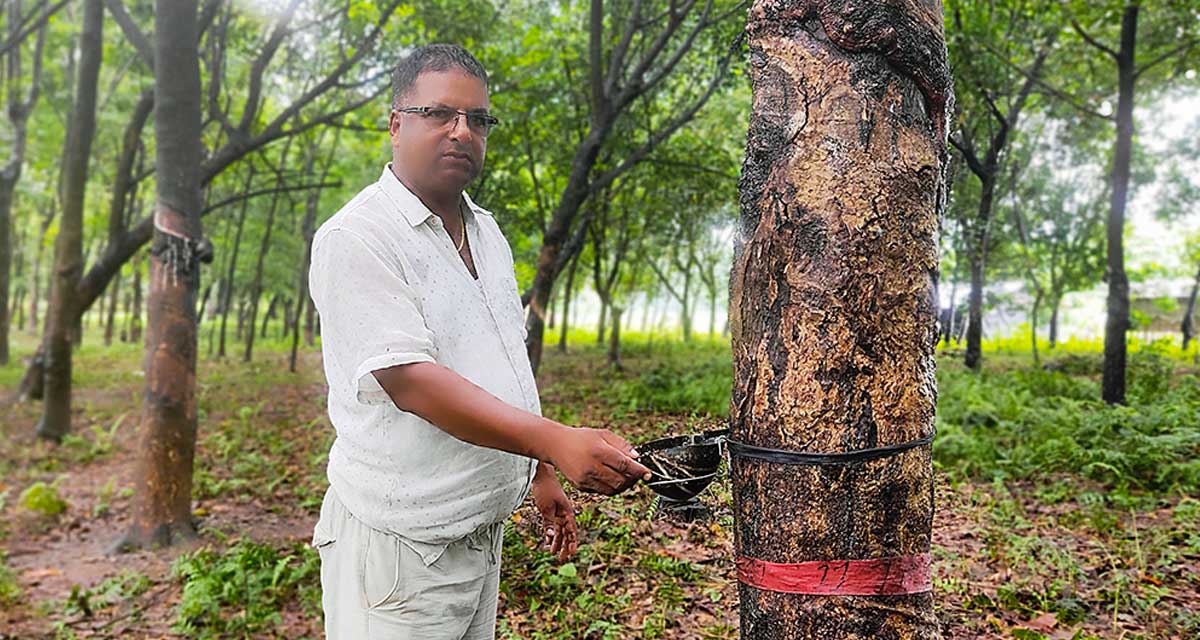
x=394, y=122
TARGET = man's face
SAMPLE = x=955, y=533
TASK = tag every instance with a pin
x=439, y=158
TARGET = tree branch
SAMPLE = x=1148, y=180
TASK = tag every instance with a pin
x=269, y=191
x=1182, y=48
x=667, y=131
x=1070, y=100
x=132, y=33
x=616, y=60
x=29, y=25
x=259, y=66
x=1092, y=41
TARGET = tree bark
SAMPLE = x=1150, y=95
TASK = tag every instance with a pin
x=63, y=314
x=256, y=286
x=1187, y=325
x=18, y=110
x=974, y=354
x=568, y=294
x=1116, y=324
x=1055, y=303
x=162, y=510
x=1033, y=325
x=227, y=291
x=135, y=314
x=614, y=339
x=833, y=309
x=114, y=297
x=308, y=229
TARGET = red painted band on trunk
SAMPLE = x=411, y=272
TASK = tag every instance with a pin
x=879, y=577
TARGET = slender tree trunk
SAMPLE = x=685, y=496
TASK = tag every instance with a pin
x=62, y=315
x=568, y=293
x=1187, y=325
x=35, y=270
x=135, y=314
x=114, y=297
x=256, y=286
x=6, y=194
x=307, y=229
x=712, y=312
x=1033, y=325
x=1055, y=303
x=203, y=305
x=948, y=329
x=600, y=326
x=227, y=291
x=833, y=318
x=272, y=309
x=310, y=322
x=162, y=505
x=1116, y=324
x=614, y=338
x=18, y=108
x=19, y=308
x=978, y=249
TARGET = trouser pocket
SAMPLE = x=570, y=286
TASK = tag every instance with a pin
x=380, y=568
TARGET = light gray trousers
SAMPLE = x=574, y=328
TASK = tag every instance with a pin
x=376, y=587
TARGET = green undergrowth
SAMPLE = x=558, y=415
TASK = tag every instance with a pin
x=241, y=590
x=1029, y=423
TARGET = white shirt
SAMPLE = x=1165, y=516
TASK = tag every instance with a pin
x=391, y=289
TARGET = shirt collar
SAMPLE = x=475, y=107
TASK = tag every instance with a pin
x=409, y=204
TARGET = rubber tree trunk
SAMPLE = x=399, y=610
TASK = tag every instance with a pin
x=114, y=296
x=162, y=505
x=18, y=108
x=227, y=290
x=568, y=293
x=302, y=303
x=978, y=248
x=135, y=313
x=1116, y=324
x=256, y=286
x=1055, y=304
x=62, y=315
x=601, y=326
x=1033, y=325
x=1187, y=326
x=614, y=338
x=833, y=307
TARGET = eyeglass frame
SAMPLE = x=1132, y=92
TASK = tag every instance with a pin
x=490, y=121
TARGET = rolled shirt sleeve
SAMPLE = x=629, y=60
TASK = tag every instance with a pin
x=371, y=319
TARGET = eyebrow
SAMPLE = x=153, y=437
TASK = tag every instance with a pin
x=484, y=110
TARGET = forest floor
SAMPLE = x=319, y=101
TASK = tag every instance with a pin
x=1034, y=550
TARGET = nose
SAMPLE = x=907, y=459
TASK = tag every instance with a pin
x=460, y=129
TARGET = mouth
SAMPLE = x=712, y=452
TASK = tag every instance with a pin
x=455, y=156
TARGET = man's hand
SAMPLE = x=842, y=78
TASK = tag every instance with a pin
x=558, y=514
x=595, y=460
x=592, y=459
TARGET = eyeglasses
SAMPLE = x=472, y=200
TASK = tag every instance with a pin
x=480, y=122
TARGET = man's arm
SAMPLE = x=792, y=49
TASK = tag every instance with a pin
x=592, y=459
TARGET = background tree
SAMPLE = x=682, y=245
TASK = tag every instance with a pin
x=63, y=314
x=18, y=104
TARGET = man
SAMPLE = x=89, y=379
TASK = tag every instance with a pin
x=439, y=427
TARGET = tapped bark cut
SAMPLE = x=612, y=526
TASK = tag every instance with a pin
x=833, y=302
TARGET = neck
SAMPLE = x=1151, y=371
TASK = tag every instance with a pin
x=443, y=205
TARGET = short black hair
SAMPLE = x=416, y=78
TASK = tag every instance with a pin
x=432, y=57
